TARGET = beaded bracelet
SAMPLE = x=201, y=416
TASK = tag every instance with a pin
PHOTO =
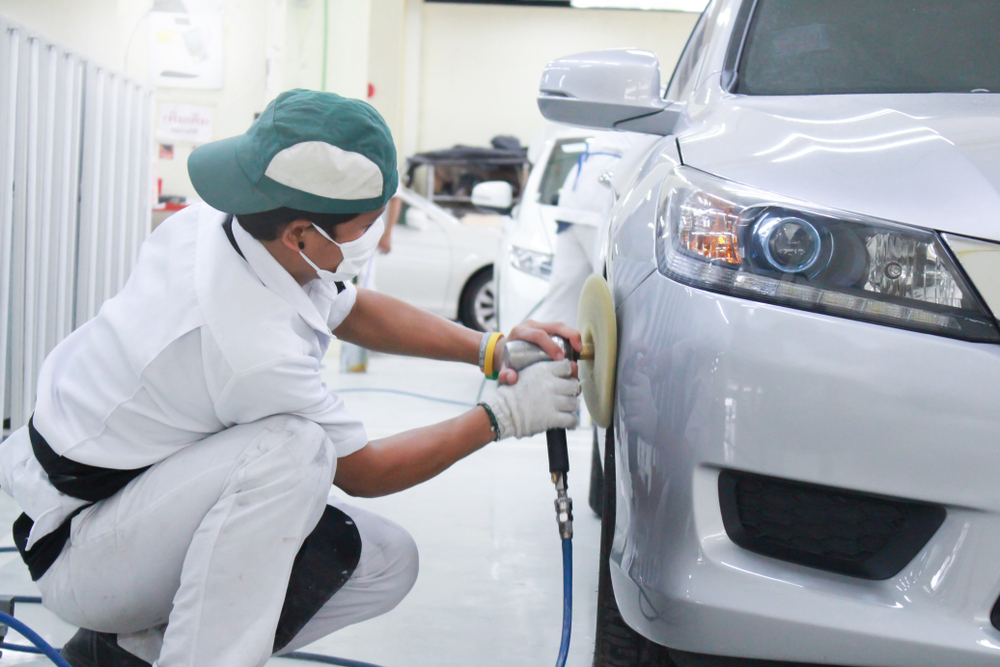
x=494, y=424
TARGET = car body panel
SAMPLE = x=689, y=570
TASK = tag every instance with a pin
x=442, y=251
x=631, y=239
x=863, y=153
x=707, y=381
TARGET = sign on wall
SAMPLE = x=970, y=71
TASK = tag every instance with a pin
x=186, y=49
x=184, y=122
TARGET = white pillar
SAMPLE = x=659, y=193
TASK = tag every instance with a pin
x=411, y=78
x=276, y=58
x=346, y=47
x=386, y=62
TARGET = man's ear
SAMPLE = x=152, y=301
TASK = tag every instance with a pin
x=293, y=235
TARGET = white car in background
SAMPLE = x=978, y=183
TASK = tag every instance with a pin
x=442, y=264
x=528, y=238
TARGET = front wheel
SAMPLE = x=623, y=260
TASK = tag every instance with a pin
x=477, y=307
x=616, y=644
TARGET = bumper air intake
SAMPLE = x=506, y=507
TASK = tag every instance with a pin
x=846, y=532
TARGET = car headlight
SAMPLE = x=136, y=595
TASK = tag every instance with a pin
x=538, y=264
x=733, y=239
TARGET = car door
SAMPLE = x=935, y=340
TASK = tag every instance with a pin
x=418, y=268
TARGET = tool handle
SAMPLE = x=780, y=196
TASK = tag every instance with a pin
x=558, y=454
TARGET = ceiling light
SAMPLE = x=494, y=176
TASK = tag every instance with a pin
x=662, y=5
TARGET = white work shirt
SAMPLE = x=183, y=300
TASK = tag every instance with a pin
x=198, y=340
x=583, y=199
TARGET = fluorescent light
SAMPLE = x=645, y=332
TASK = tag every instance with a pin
x=661, y=5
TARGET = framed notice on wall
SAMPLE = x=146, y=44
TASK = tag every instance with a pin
x=185, y=49
x=185, y=123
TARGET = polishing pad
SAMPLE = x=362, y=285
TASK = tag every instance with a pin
x=596, y=322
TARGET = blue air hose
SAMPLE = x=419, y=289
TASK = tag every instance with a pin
x=44, y=648
x=400, y=392
x=32, y=636
x=567, y=626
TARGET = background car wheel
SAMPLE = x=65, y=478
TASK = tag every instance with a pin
x=596, y=496
x=616, y=644
x=477, y=308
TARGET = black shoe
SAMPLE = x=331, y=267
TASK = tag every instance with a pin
x=98, y=649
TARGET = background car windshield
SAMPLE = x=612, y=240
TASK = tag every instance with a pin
x=564, y=157
x=822, y=47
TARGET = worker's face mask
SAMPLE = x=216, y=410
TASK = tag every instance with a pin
x=356, y=253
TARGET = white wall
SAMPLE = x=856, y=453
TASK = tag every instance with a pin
x=443, y=73
x=386, y=49
x=88, y=26
x=481, y=64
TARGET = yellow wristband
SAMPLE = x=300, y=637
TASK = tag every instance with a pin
x=488, y=369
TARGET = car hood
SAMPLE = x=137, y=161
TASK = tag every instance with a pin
x=926, y=160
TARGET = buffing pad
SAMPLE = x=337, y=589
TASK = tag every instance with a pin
x=596, y=322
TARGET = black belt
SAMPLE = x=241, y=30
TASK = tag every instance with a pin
x=79, y=480
x=324, y=563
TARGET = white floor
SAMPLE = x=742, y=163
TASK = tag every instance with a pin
x=490, y=585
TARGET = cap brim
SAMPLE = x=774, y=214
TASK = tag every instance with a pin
x=218, y=179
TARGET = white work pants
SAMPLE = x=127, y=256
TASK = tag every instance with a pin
x=571, y=266
x=203, y=542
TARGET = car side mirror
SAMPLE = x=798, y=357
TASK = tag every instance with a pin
x=613, y=89
x=416, y=218
x=493, y=195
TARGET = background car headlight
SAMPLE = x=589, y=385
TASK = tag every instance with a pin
x=733, y=239
x=538, y=264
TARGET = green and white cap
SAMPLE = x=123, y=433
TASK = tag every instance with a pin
x=312, y=151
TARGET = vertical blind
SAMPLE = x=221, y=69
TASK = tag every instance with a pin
x=75, y=198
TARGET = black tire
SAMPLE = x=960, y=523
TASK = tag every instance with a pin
x=596, y=496
x=477, y=307
x=616, y=644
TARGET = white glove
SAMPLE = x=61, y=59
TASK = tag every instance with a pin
x=544, y=397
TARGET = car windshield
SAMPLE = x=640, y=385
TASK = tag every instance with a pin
x=564, y=156
x=823, y=47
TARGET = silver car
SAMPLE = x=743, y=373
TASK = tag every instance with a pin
x=805, y=270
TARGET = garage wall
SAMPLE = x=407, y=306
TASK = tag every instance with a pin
x=81, y=25
x=443, y=73
x=481, y=64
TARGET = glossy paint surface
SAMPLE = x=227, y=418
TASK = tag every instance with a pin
x=924, y=160
x=631, y=255
x=709, y=382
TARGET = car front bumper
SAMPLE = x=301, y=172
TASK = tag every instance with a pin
x=518, y=293
x=708, y=382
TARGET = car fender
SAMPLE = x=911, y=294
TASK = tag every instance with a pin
x=632, y=238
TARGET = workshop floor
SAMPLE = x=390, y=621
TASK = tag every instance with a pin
x=490, y=586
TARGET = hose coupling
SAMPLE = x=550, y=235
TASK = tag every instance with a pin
x=564, y=507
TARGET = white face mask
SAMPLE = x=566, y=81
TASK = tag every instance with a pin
x=356, y=253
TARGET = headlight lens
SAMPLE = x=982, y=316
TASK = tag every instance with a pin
x=538, y=264
x=736, y=240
